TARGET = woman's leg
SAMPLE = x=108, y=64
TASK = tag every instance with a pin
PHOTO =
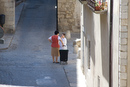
x=53, y=58
x=56, y=59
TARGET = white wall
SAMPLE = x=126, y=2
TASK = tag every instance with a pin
x=115, y=43
x=96, y=30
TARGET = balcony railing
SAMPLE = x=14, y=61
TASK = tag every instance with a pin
x=97, y=7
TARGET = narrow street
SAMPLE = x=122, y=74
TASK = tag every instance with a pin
x=27, y=62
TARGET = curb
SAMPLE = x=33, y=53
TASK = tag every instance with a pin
x=19, y=13
x=18, y=2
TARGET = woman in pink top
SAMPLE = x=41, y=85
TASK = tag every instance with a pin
x=55, y=46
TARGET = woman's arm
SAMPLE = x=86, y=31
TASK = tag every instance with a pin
x=49, y=40
x=62, y=42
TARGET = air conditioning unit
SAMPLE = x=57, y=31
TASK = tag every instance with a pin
x=83, y=1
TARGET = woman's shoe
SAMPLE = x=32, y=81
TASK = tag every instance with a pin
x=57, y=62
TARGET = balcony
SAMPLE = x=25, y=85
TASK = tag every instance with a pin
x=83, y=1
x=97, y=7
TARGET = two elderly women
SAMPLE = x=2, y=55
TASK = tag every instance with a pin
x=55, y=45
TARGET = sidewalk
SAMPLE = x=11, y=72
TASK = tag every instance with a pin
x=8, y=37
x=73, y=68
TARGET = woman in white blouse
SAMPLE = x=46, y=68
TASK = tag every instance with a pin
x=64, y=46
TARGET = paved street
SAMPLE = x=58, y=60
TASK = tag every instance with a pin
x=27, y=62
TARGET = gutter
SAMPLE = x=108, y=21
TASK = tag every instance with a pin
x=110, y=43
x=56, y=7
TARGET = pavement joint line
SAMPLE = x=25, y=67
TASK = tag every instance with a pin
x=66, y=76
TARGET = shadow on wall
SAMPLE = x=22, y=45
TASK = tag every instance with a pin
x=97, y=33
x=90, y=33
x=89, y=58
x=105, y=46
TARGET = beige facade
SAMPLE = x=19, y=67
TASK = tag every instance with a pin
x=95, y=45
x=128, y=68
x=123, y=44
x=7, y=7
x=68, y=15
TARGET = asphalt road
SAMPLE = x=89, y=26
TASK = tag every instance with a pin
x=28, y=63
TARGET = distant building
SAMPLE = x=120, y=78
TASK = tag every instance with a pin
x=7, y=7
x=68, y=15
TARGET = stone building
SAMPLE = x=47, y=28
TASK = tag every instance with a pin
x=105, y=44
x=68, y=15
x=7, y=7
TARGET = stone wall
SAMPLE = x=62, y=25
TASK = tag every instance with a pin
x=123, y=44
x=7, y=7
x=68, y=15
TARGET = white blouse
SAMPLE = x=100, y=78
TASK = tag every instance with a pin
x=65, y=44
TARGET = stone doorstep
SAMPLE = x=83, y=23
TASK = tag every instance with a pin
x=7, y=41
x=1, y=41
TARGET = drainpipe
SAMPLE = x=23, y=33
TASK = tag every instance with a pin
x=56, y=7
x=110, y=45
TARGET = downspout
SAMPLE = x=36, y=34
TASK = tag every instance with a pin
x=56, y=7
x=82, y=25
x=110, y=43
